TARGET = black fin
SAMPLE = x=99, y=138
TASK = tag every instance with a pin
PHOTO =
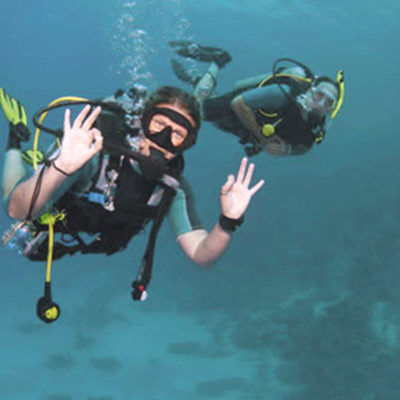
x=201, y=53
x=182, y=73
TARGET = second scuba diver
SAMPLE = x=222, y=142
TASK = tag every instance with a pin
x=109, y=178
x=284, y=113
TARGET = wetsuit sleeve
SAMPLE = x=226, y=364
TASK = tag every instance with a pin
x=182, y=215
x=270, y=98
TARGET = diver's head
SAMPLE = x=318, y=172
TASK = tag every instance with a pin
x=321, y=97
x=171, y=119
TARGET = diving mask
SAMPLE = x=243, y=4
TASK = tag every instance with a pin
x=322, y=98
x=183, y=138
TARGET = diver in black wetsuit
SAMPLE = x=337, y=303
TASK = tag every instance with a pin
x=110, y=180
x=284, y=113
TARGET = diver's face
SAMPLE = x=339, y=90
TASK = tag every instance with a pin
x=178, y=132
x=321, y=100
x=174, y=134
x=160, y=122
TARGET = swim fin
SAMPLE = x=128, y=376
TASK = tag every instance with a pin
x=28, y=156
x=16, y=116
x=183, y=73
x=201, y=53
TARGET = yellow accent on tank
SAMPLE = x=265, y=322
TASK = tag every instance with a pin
x=339, y=103
x=319, y=136
x=50, y=220
x=297, y=77
x=273, y=115
x=268, y=130
x=51, y=313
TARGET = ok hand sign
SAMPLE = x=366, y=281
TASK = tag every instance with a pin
x=235, y=193
x=80, y=141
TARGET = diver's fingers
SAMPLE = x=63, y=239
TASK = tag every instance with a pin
x=257, y=187
x=89, y=121
x=226, y=187
x=96, y=133
x=67, y=120
x=249, y=175
x=97, y=143
x=81, y=117
x=242, y=170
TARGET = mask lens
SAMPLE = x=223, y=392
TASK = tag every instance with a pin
x=322, y=100
x=161, y=123
x=167, y=126
x=317, y=96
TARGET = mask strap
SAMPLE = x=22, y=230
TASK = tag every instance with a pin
x=174, y=116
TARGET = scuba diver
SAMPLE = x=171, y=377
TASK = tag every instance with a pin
x=283, y=113
x=109, y=178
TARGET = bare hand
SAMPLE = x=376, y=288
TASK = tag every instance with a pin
x=80, y=141
x=235, y=193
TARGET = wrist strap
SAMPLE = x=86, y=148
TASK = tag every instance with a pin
x=230, y=224
x=53, y=163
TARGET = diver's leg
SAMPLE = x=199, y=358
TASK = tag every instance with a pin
x=183, y=73
x=205, y=86
x=197, y=52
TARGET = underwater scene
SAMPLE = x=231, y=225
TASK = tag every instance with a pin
x=295, y=295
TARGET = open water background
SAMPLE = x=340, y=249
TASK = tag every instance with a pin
x=305, y=304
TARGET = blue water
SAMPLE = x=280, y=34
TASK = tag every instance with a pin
x=305, y=303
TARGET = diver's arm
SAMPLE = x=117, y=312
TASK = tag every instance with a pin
x=269, y=98
x=205, y=248
x=20, y=199
x=249, y=82
x=79, y=144
x=245, y=115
